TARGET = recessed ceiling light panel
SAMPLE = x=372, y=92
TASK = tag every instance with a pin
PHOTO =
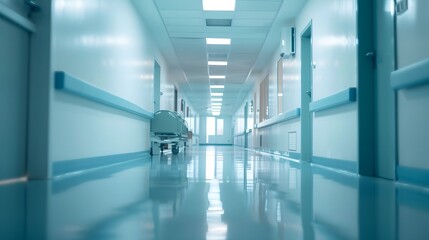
x=217, y=76
x=217, y=63
x=219, y=5
x=218, y=41
x=216, y=94
x=217, y=86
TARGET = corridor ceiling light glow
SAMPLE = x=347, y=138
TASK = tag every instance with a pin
x=217, y=86
x=217, y=76
x=215, y=113
x=218, y=41
x=216, y=99
x=218, y=63
x=219, y=5
x=216, y=104
x=214, y=94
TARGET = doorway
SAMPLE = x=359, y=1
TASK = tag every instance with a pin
x=14, y=59
x=156, y=87
x=306, y=93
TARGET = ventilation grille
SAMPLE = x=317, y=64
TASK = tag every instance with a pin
x=218, y=56
x=292, y=140
x=218, y=22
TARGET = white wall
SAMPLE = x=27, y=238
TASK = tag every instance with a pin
x=110, y=49
x=413, y=116
x=335, y=56
x=107, y=44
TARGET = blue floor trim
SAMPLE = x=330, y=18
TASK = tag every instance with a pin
x=73, y=85
x=60, y=168
x=335, y=100
x=214, y=144
x=414, y=176
x=345, y=165
x=295, y=155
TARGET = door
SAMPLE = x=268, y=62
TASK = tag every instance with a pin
x=14, y=57
x=246, y=114
x=385, y=136
x=306, y=92
x=156, y=87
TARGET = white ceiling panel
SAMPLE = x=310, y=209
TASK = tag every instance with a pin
x=181, y=14
x=257, y=6
x=184, y=22
x=179, y=5
x=250, y=22
x=264, y=15
x=186, y=29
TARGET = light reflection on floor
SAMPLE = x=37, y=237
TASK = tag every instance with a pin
x=213, y=193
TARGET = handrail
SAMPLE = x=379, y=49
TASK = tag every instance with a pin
x=73, y=85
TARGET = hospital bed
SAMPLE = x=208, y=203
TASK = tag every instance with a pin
x=168, y=129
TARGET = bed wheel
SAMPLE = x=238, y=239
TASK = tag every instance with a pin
x=175, y=149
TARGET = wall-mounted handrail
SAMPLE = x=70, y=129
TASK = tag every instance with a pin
x=73, y=85
x=341, y=98
x=283, y=117
x=410, y=76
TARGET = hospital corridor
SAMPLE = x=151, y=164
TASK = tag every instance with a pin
x=214, y=119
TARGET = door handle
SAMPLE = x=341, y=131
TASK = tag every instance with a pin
x=34, y=7
x=308, y=93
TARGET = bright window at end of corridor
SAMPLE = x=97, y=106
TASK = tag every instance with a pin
x=219, y=127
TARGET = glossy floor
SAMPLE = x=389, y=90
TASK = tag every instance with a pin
x=213, y=193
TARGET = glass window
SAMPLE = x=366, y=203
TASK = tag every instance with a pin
x=219, y=126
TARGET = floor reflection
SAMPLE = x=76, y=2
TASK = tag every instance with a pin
x=213, y=193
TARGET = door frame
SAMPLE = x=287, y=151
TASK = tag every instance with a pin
x=156, y=86
x=306, y=93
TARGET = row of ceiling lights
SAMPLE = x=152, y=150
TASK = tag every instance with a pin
x=216, y=97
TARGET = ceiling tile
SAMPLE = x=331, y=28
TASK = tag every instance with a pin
x=181, y=14
x=179, y=5
x=184, y=21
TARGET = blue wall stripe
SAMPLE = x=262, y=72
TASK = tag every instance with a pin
x=345, y=165
x=70, y=166
x=283, y=117
x=411, y=175
x=70, y=84
x=335, y=100
x=410, y=76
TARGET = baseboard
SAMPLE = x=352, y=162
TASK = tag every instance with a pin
x=339, y=164
x=416, y=176
x=61, y=168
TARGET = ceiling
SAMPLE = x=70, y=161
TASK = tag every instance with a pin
x=179, y=28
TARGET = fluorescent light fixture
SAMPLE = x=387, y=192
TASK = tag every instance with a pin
x=280, y=94
x=215, y=94
x=216, y=104
x=218, y=41
x=217, y=86
x=216, y=108
x=217, y=76
x=215, y=113
x=218, y=63
x=216, y=99
x=219, y=5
